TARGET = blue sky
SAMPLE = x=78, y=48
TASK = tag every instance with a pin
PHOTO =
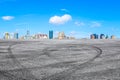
x=78, y=18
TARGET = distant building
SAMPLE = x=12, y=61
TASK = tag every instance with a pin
x=50, y=34
x=27, y=36
x=28, y=33
x=102, y=36
x=71, y=38
x=61, y=35
x=41, y=36
x=16, y=36
x=96, y=36
x=106, y=37
x=113, y=37
x=7, y=35
x=22, y=38
x=93, y=36
x=67, y=37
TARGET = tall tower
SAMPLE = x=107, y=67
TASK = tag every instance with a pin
x=102, y=36
x=7, y=35
x=51, y=34
x=27, y=36
x=113, y=37
x=107, y=37
x=92, y=36
x=28, y=33
x=61, y=35
x=16, y=36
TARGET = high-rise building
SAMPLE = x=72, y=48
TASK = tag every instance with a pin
x=113, y=37
x=16, y=36
x=96, y=36
x=27, y=36
x=106, y=37
x=102, y=36
x=93, y=36
x=7, y=35
x=61, y=35
x=28, y=33
x=41, y=36
x=51, y=34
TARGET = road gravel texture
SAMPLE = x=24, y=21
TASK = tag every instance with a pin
x=82, y=59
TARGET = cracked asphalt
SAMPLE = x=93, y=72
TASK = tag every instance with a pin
x=60, y=60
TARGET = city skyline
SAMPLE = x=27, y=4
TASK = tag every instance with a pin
x=78, y=18
x=60, y=35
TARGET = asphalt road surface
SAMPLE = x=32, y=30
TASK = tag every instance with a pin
x=60, y=60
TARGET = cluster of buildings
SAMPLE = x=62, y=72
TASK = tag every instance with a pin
x=61, y=35
x=28, y=36
x=11, y=36
x=38, y=36
x=101, y=36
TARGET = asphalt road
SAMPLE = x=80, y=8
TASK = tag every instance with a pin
x=60, y=60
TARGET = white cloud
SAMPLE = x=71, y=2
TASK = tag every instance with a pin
x=80, y=34
x=57, y=20
x=73, y=32
x=89, y=23
x=95, y=24
x=23, y=24
x=65, y=10
x=56, y=32
x=79, y=23
x=7, y=18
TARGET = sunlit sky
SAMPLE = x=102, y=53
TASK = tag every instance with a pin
x=78, y=18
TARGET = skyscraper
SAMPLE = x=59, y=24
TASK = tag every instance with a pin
x=28, y=33
x=113, y=37
x=106, y=37
x=15, y=35
x=61, y=35
x=94, y=36
x=102, y=36
x=27, y=36
x=41, y=36
x=51, y=34
x=7, y=35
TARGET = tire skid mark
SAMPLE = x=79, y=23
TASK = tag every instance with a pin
x=66, y=74
x=24, y=72
x=6, y=73
x=58, y=76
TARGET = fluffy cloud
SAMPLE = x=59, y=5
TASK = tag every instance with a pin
x=7, y=18
x=57, y=20
x=79, y=23
x=95, y=24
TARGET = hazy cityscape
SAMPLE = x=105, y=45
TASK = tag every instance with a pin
x=60, y=36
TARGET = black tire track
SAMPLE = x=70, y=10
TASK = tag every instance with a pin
x=22, y=74
x=66, y=74
x=4, y=73
x=58, y=76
